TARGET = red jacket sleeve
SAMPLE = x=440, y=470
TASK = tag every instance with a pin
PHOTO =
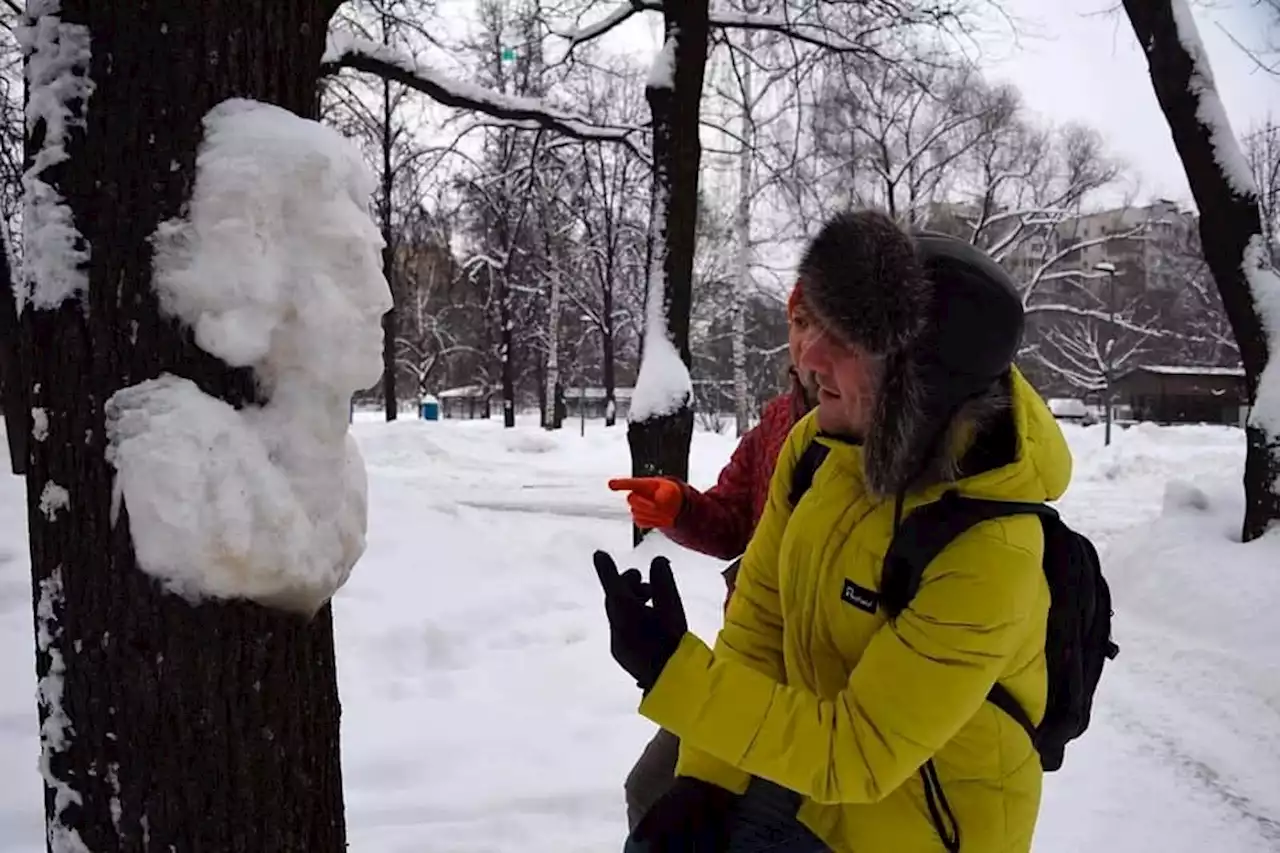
x=719, y=521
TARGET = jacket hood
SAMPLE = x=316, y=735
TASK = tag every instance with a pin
x=1041, y=466
x=1036, y=466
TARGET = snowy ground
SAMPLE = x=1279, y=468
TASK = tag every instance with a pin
x=483, y=713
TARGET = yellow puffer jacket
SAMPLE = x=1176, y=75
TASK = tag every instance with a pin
x=844, y=707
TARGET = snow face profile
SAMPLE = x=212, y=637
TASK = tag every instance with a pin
x=277, y=268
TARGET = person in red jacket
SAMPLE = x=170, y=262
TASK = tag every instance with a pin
x=718, y=522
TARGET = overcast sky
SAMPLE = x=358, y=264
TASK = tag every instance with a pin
x=1079, y=62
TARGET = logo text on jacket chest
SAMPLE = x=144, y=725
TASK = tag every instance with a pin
x=866, y=600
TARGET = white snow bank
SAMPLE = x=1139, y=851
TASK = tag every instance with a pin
x=1189, y=569
x=278, y=268
x=1195, y=620
x=57, y=62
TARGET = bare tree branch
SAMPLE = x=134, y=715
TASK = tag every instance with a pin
x=372, y=58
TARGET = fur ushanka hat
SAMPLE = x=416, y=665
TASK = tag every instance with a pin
x=944, y=316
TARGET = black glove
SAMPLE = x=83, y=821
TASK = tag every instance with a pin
x=642, y=638
x=691, y=817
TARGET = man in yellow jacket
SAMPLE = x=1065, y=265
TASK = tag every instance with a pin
x=865, y=734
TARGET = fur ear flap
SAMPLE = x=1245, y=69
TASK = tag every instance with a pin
x=913, y=440
x=896, y=423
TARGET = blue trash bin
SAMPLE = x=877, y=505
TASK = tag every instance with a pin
x=430, y=409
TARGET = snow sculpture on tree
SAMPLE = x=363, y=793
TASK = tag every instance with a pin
x=277, y=268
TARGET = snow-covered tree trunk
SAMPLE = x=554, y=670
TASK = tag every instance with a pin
x=610, y=372
x=506, y=354
x=16, y=410
x=742, y=229
x=386, y=142
x=164, y=725
x=661, y=415
x=551, y=412
x=1231, y=231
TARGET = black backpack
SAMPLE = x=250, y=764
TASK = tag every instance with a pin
x=1078, y=637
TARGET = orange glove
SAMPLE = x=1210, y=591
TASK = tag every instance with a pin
x=654, y=501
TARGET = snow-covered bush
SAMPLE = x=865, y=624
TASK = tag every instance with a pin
x=276, y=268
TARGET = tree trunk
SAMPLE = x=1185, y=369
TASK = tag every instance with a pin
x=742, y=227
x=1229, y=218
x=608, y=368
x=389, y=399
x=200, y=728
x=506, y=355
x=660, y=445
x=17, y=414
x=552, y=411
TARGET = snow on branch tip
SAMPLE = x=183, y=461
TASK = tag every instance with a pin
x=373, y=58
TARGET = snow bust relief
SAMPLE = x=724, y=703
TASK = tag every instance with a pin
x=276, y=268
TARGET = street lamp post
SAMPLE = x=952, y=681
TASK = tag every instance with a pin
x=1110, y=269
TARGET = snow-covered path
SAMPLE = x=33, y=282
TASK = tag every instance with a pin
x=482, y=711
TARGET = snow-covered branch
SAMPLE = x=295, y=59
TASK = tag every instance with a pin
x=373, y=58
x=619, y=16
x=815, y=34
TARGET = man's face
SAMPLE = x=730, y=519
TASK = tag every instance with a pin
x=847, y=377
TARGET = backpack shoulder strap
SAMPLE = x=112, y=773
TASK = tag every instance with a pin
x=811, y=459
x=924, y=533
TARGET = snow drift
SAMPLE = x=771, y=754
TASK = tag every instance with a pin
x=277, y=268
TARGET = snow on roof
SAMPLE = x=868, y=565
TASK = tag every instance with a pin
x=1067, y=407
x=596, y=393
x=1189, y=370
x=462, y=391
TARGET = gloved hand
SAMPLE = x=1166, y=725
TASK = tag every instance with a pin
x=655, y=501
x=642, y=638
x=691, y=817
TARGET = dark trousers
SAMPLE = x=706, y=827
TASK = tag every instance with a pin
x=652, y=775
x=763, y=821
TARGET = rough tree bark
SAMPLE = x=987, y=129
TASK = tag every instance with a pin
x=389, y=324
x=17, y=413
x=609, y=370
x=505, y=352
x=212, y=727
x=1229, y=218
x=660, y=445
x=742, y=228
